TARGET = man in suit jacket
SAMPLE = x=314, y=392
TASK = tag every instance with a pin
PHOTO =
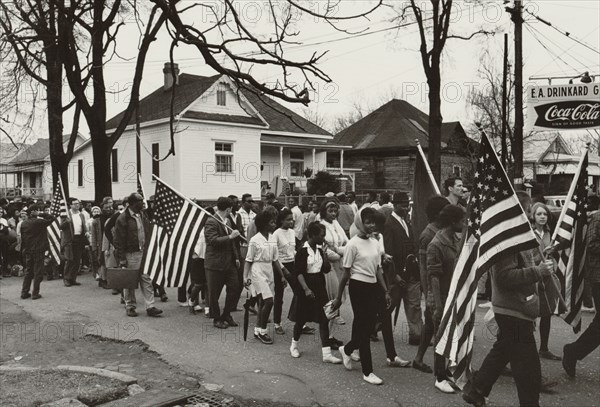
x=400, y=244
x=222, y=261
x=73, y=241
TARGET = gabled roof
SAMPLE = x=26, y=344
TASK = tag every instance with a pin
x=8, y=151
x=538, y=146
x=38, y=151
x=280, y=118
x=156, y=106
x=396, y=124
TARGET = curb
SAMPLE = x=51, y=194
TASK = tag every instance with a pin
x=100, y=372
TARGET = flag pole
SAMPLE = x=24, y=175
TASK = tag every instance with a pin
x=431, y=178
x=62, y=191
x=197, y=206
x=563, y=212
x=142, y=190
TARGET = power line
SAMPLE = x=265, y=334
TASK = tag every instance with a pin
x=565, y=33
x=565, y=51
x=552, y=53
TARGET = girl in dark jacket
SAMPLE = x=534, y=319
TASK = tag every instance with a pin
x=311, y=265
x=441, y=256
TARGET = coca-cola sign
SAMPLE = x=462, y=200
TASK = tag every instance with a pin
x=556, y=107
x=568, y=115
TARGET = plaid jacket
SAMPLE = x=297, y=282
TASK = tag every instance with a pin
x=592, y=263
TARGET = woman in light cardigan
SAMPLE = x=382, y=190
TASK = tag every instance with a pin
x=336, y=240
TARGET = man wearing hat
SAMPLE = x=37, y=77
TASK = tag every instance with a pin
x=400, y=244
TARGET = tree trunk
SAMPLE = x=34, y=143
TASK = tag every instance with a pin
x=101, y=149
x=434, y=153
x=58, y=160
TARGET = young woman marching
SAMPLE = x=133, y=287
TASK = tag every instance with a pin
x=336, y=240
x=547, y=291
x=362, y=266
x=311, y=267
x=441, y=256
x=261, y=260
x=286, y=246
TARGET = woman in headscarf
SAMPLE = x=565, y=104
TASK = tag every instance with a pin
x=363, y=272
x=335, y=242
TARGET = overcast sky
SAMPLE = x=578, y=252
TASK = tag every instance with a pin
x=368, y=69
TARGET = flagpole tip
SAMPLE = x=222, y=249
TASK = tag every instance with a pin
x=417, y=141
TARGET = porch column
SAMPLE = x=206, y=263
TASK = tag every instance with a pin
x=314, y=161
x=280, y=162
x=341, y=162
x=354, y=182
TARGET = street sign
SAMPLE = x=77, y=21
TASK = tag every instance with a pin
x=563, y=107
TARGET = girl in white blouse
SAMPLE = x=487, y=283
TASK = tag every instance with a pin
x=286, y=247
x=261, y=262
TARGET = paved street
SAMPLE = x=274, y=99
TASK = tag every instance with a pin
x=252, y=370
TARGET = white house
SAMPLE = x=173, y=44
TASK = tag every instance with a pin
x=29, y=172
x=227, y=141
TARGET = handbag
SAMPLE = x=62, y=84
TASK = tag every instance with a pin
x=329, y=312
x=122, y=278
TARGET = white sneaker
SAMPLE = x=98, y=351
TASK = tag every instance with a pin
x=485, y=305
x=587, y=309
x=346, y=359
x=198, y=308
x=183, y=304
x=444, y=386
x=294, y=352
x=329, y=358
x=371, y=378
x=355, y=356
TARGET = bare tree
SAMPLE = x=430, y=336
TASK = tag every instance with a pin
x=85, y=51
x=433, y=32
x=31, y=53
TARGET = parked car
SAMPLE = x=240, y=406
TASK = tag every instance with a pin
x=556, y=200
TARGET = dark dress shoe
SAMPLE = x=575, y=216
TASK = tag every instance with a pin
x=24, y=296
x=164, y=298
x=472, y=396
x=421, y=367
x=67, y=283
x=307, y=330
x=546, y=354
x=220, y=324
x=153, y=312
x=230, y=321
x=36, y=296
x=131, y=313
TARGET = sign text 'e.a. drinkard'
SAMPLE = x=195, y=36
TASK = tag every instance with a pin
x=563, y=107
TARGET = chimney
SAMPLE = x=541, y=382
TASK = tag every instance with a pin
x=168, y=74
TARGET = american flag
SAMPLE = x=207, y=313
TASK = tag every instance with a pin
x=140, y=189
x=57, y=209
x=174, y=233
x=570, y=234
x=496, y=226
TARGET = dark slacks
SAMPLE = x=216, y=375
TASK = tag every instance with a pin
x=216, y=279
x=34, y=271
x=439, y=361
x=515, y=343
x=590, y=339
x=385, y=319
x=198, y=279
x=72, y=264
x=363, y=298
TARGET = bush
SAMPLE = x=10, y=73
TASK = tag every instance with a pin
x=322, y=183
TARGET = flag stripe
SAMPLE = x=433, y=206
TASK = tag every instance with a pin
x=174, y=234
x=497, y=227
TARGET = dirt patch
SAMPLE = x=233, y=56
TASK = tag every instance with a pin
x=37, y=387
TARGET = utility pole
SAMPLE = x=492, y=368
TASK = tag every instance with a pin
x=517, y=144
x=504, y=118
